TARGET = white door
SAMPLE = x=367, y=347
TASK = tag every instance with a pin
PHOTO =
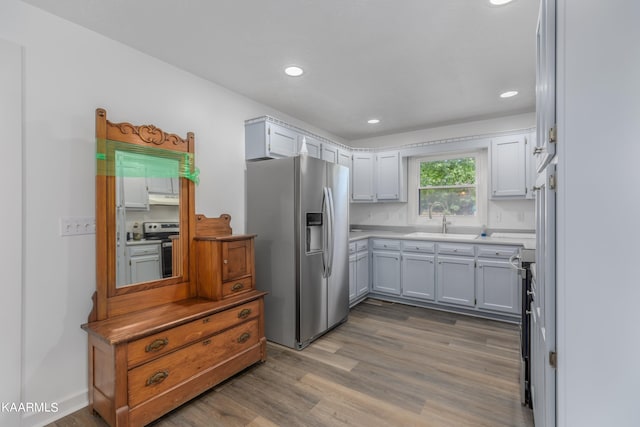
x=418, y=276
x=362, y=177
x=543, y=342
x=386, y=272
x=388, y=176
x=455, y=280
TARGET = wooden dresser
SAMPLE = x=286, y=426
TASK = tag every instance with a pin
x=146, y=363
x=155, y=345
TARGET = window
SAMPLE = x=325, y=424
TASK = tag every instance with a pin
x=451, y=185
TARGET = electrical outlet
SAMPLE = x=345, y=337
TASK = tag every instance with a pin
x=75, y=226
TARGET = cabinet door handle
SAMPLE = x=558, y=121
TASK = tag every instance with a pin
x=157, y=345
x=206, y=342
x=157, y=378
x=225, y=261
x=237, y=287
x=244, y=313
x=244, y=337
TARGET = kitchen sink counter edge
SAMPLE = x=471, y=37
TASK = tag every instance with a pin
x=525, y=242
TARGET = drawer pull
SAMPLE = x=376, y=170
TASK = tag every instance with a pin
x=206, y=342
x=237, y=287
x=225, y=261
x=498, y=253
x=244, y=337
x=206, y=320
x=244, y=313
x=157, y=345
x=157, y=378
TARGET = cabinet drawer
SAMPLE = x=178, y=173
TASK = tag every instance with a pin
x=392, y=245
x=140, y=250
x=362, y=245
x=158, y=344
x=417, y=246
x=164, y=373
x=497, y=251
x=236, y=287
x=454, y=249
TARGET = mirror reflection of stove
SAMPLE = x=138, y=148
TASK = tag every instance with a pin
x=162, y=231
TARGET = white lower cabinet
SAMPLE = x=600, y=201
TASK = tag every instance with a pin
x=456, y=280
x=358, y=270
x=144, y=262
x=418, y=276
x=473, y=277
x=386, y=266
x=418, y=270
x=498, y=286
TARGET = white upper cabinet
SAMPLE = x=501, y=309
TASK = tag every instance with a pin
x=330, y=153
x=362, y=177
x=508, y=167
x=313, y=146
x=388, y=176
x=265, y=140
x=378, y=177
x=344, y=157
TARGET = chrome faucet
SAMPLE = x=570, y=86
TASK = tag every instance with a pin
x=444, y=216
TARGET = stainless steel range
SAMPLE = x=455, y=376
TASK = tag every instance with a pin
x=163, y=231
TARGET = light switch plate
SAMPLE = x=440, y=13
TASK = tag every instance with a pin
x=75, y=226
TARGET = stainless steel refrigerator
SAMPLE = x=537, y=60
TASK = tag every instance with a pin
x=299, y=208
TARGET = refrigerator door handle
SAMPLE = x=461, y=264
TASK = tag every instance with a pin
x=331, y=241
x=325, y=232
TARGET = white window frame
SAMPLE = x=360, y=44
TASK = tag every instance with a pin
x=481, y=159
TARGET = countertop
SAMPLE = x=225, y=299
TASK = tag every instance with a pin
x=527, y=240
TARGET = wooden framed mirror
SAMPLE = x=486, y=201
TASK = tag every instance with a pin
x=144, y=178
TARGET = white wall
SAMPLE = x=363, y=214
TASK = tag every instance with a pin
x=11, y=215
x=501, y=215
x=68, y=73
x=598, y=95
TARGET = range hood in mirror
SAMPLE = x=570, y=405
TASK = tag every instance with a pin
x=164, y=199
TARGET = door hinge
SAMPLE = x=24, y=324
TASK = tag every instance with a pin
x=268, y=131
x=552, y=135
x=553, y=359
x=552, y=182
x=475, y=301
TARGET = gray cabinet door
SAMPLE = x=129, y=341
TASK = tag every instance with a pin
x=388, y=176
x=418, y=276
x=362, y=177
x=362, y=273
x=282, y=142
x=352, y=278
x=456, y=280
x=508, y=166
x=386, y=272
x=498, y=286
x=145, y=268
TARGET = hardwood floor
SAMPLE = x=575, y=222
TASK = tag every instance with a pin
x=388, y=365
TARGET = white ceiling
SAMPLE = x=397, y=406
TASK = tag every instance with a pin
x=411, y=63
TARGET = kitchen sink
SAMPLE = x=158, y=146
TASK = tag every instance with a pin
x=441, y=236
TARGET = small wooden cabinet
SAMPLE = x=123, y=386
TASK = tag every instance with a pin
x=225, y=266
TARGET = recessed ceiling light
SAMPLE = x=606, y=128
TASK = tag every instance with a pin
x=293, y=71
x=373, y=121
x=499, y=2
x=509, y=94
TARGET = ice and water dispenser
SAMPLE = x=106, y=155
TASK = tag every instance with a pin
x=314, y=232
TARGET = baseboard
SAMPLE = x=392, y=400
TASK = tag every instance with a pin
x=64, y=407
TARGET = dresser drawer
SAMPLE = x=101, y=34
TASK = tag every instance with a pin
x=417, y=246
x=236, y=287
x=497, y=251
x=161, y=343
x=454, y=249
x=162, y=374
